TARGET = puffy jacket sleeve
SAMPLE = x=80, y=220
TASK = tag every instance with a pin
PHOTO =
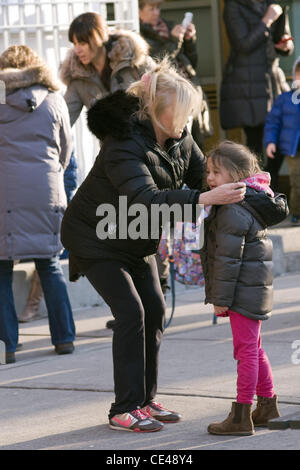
x=74, y=102
x=233, y=223
x=274, y=122
x=129, y=174
x=240, y=37
x=65, y=133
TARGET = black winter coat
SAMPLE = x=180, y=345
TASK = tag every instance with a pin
x=237, y=254
x=252, y=79
x=132, y=164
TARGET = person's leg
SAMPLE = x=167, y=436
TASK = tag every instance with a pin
x=254, y=140
x=273, y=166
x=149, y=290
x=294, y=174
x=245, y=332
x=267, y=401
x=265, y=386
x=113, y=281
x=61, y=323
x=154, y=305
x=31, y=310
x=8, y=317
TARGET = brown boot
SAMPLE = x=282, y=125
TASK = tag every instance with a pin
x=267, y=408
x=31, y=310
x=238, y=422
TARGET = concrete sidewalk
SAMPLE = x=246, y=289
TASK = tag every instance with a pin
x=61, y=402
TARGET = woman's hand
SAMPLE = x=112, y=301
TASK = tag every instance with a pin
x=190, y=32
x=272, y=14
x=229, y=193
x=220, y=310
x=270, y=150
x=178, y=31
x=286, y=43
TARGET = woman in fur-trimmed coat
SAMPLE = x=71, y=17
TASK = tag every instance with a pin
x=100, y=62
x=35, y=147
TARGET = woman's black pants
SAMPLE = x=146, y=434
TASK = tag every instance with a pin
x=138, y=306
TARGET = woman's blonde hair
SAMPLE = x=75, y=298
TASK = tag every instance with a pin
x=237, y=159
x=163, y=87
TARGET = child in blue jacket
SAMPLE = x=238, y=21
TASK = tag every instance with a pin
x=282, y=132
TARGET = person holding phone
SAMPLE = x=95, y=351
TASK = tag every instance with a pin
x=178, y=41
x=252, y=79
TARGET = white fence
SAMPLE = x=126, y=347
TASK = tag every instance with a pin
x=43, y=25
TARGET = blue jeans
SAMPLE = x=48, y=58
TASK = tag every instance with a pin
x=61, y=323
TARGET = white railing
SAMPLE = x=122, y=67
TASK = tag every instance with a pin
x=43, y=25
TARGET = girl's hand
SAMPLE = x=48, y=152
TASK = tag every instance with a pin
x=219, y=310
x=270, y=150
x=229, y=193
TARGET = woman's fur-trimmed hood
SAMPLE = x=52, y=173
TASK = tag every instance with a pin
x=127, y=47
x=15, y=79
x=112, y=115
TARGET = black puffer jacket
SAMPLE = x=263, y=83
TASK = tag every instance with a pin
x=252, y=78
x=237, y=254
x=130, y=164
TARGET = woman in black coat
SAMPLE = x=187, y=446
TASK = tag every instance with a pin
x=252, y=78
x=146, y=156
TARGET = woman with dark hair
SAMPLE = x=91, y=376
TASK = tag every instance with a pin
x=100, y=61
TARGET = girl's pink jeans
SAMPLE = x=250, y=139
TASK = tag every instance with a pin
x=254, y=373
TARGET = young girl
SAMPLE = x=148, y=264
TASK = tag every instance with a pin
x=237, y=264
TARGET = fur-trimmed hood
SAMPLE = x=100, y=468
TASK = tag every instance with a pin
x=15, y=79
x=112, y=115
x=125, y=48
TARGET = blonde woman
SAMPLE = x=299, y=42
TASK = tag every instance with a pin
x=146, y=156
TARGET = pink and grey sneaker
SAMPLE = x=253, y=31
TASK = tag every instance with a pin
x=157, y=411
x=135, y=421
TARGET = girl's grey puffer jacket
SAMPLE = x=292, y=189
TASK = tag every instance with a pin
x=237, y=254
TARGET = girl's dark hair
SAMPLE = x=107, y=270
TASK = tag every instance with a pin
x=88, y=27
x=237, y=159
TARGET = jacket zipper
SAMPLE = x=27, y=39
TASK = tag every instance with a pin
x=164, y=154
